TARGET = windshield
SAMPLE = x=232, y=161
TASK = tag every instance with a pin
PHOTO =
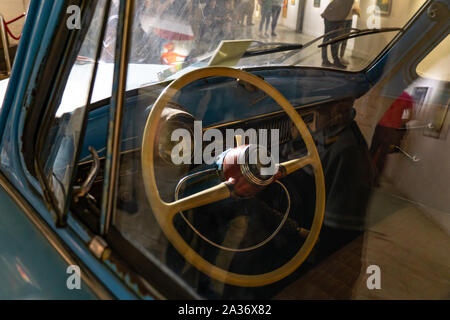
x=356, y=171
x=172, y=36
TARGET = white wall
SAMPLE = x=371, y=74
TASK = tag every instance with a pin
x=11, y=9
x=292, y=14
x=313, y=23
x=401, y=13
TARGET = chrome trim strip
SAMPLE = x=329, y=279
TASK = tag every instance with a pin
x=269, y=115
x=248, y=174
x=117, y=107
x=122, y=153
x=262, y=243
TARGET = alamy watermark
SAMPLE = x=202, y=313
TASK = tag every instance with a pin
x=74, y=279
x=374, y=17
x=74, y=20
x=258, y=141
x=374, y=280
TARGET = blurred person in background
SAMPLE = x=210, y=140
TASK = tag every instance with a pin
x=247, y=7
x=238, y=14
x=390, y=131
x=347, y=27
x=224, y=19
x=266, y=14
x=334, y=16
x=228, y=20
x=216, y=23
x=276, y=10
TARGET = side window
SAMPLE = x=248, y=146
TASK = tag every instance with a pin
x=60, y=147
x=434, y=65
x=431, y=91
x=414, y=162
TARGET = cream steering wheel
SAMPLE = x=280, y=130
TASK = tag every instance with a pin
x=165, y=212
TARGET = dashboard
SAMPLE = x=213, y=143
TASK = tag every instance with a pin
x=223, y=102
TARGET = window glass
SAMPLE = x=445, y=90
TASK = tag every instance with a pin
x=172, y=37
x=433, y=66
x=60, y=146
x=383, y=152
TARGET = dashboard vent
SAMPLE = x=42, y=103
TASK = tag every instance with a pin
x=281, y=122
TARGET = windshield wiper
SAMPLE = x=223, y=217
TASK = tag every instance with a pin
x=358, y=33
x=282, y=47
x=273, y=48
x=354, y=32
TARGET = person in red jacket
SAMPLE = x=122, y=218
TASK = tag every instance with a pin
x=390, y=130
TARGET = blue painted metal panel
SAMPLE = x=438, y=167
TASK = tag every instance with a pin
x=38, y=33
x=29, y=265
x=18, y=66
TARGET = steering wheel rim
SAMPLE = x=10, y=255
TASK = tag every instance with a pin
x=165, y=212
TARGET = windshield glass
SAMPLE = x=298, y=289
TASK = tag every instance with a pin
x=232, y=190
x=172, y=36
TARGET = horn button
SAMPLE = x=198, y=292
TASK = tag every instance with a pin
x=250, y=168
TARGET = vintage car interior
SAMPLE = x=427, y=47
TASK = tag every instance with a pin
x=103, y=154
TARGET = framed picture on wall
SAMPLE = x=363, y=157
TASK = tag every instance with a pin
x=385, y=6
x=438, y=118
x=316, y=3
x=285, y=8
x=419, y=95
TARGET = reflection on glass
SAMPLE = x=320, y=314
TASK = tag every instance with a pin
x=384, y=212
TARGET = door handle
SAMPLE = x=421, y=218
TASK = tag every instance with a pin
x=414, y=158
x=428, y=126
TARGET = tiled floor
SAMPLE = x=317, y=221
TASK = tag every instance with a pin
x=283, y=34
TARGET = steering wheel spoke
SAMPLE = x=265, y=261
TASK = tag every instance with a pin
x=288, y=167
x=208, y=196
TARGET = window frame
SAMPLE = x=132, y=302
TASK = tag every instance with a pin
x=42, y=107
x=37, y=122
